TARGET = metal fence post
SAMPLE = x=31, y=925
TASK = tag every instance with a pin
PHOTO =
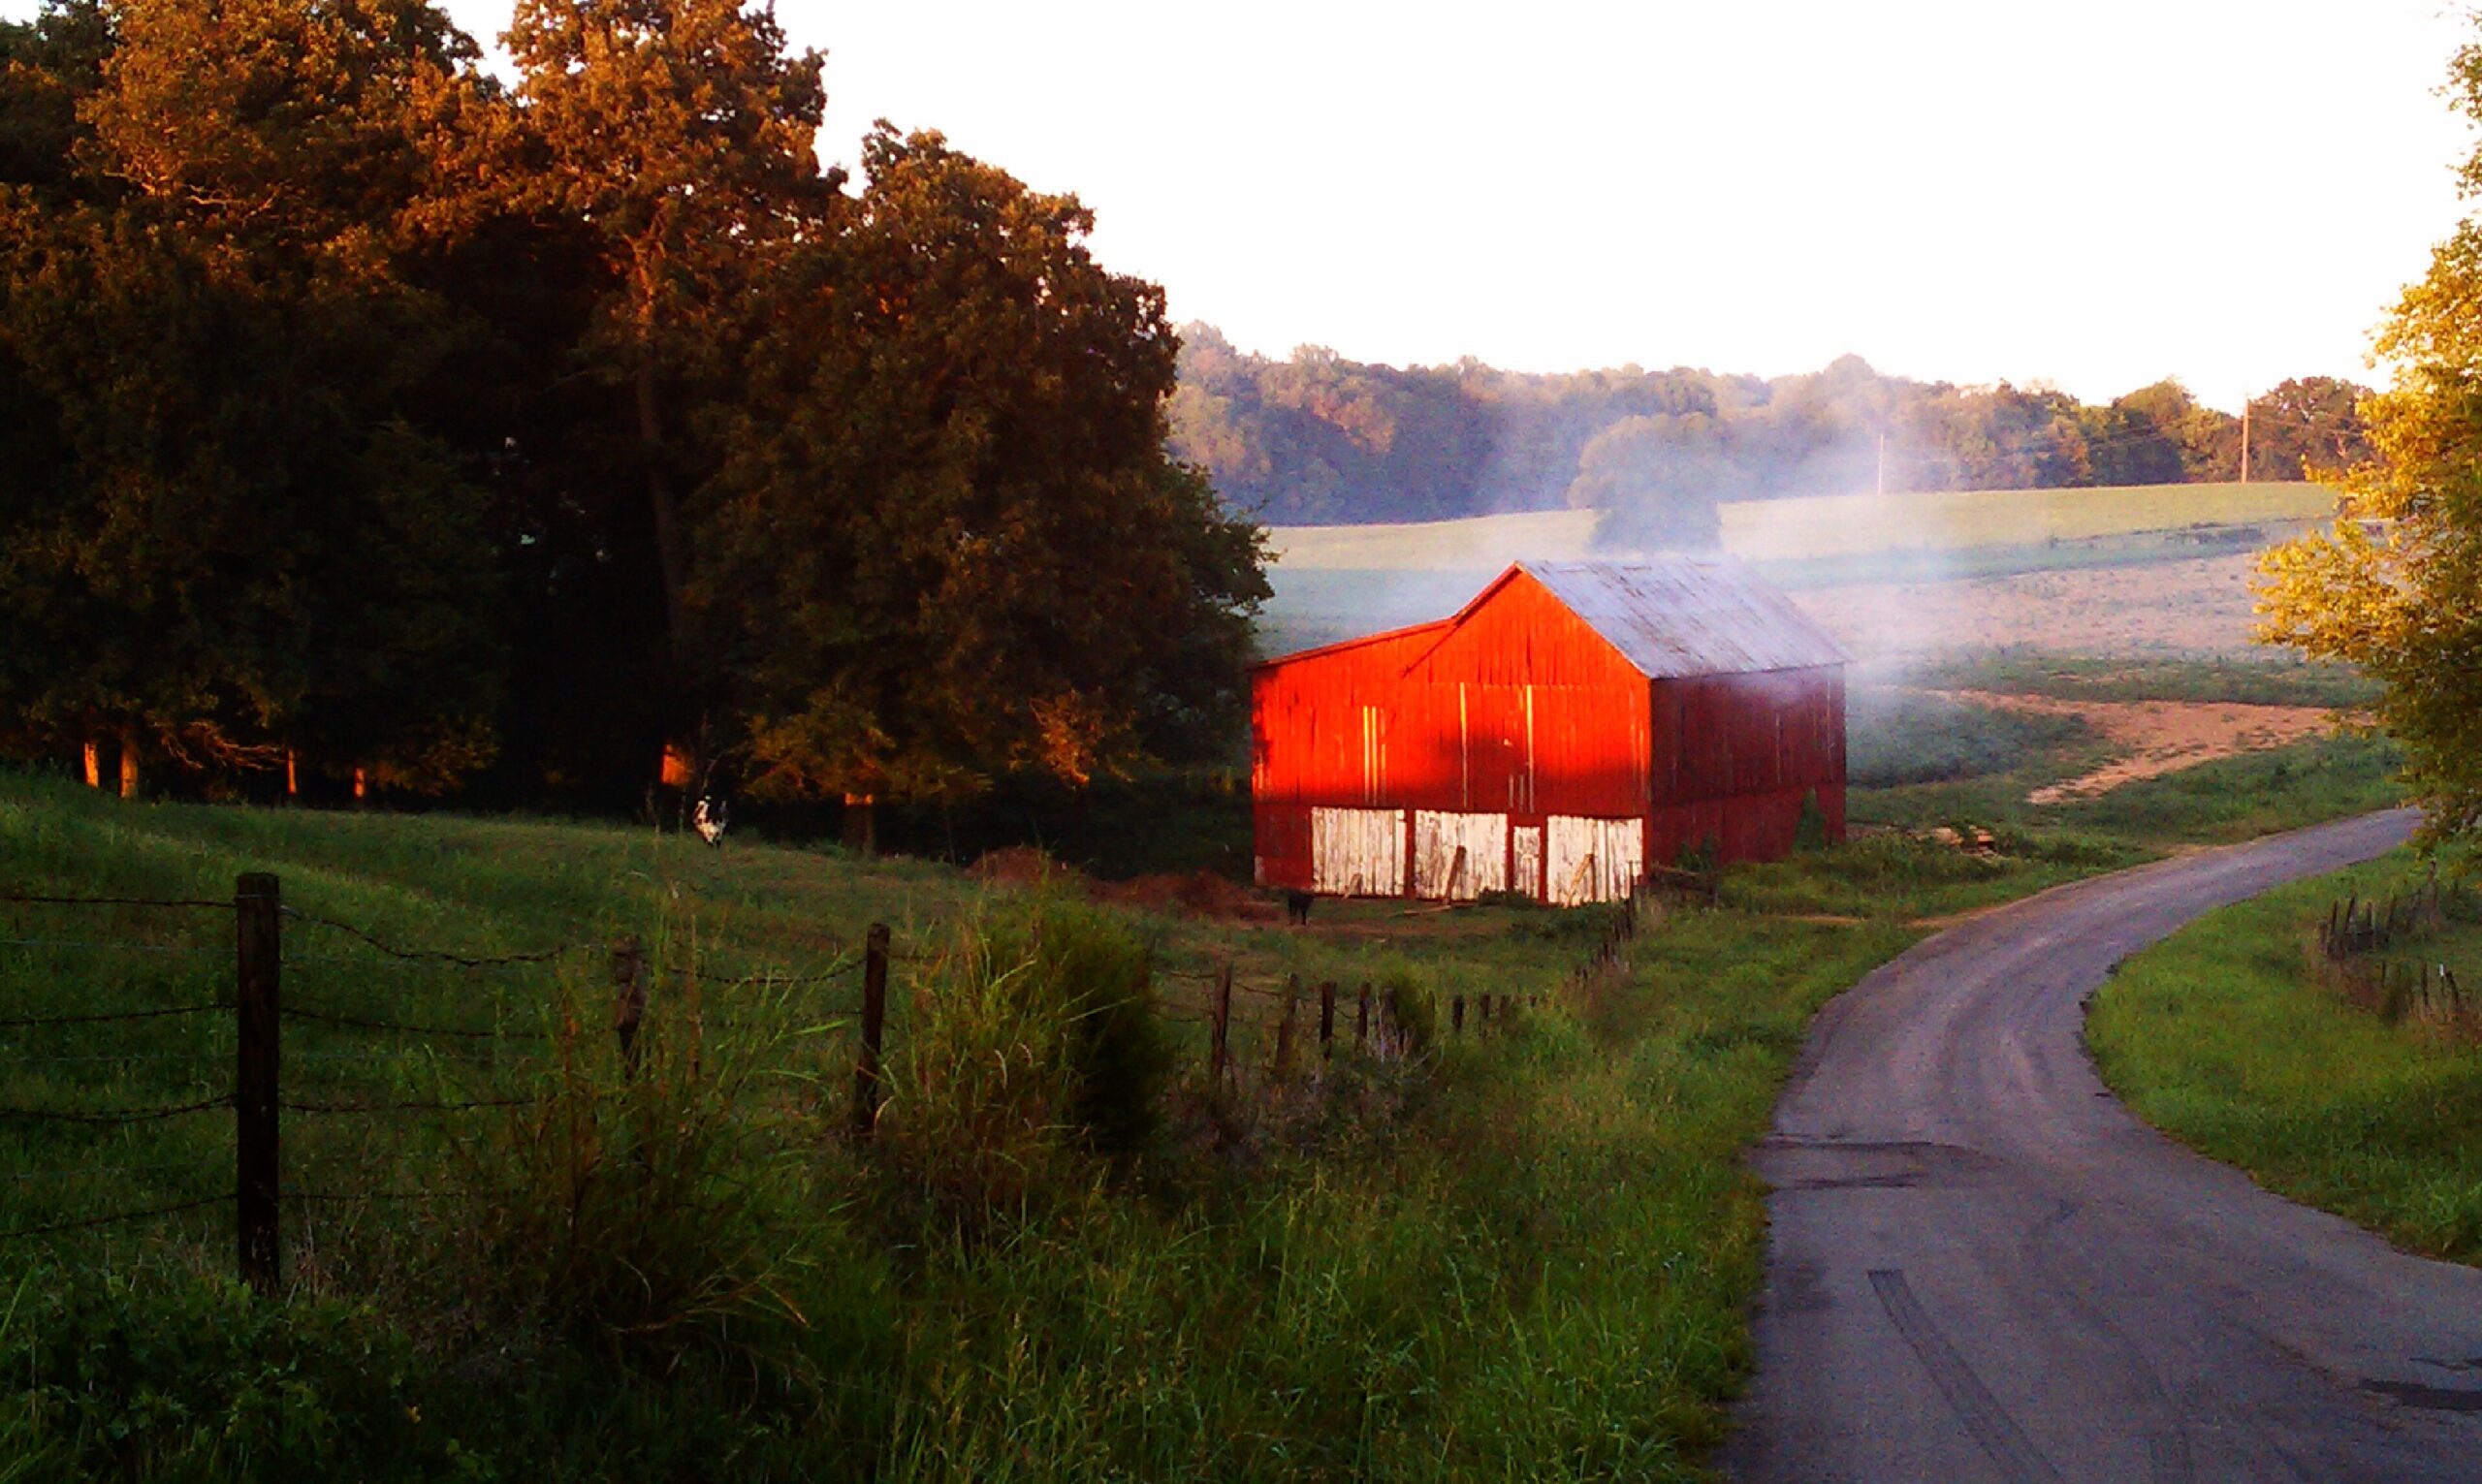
x=257, y=1002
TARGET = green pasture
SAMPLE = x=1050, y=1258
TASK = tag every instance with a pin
x=1526, y=1254
x=1814, y=526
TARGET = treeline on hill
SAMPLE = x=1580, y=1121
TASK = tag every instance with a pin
x=366, y=420
x=1318, y=439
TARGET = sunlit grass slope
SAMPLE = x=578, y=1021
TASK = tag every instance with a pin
x=2224, y=1037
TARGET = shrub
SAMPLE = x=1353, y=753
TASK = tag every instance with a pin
x=1809, y=831
x=657, y=1203
x=1032, y=1042
x=1411, y=1008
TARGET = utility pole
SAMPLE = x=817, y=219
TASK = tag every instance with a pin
x=2244, y=440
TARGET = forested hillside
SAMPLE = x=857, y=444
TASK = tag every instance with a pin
x=1318, y=439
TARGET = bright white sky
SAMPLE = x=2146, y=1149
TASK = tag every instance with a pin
x=2097, y=195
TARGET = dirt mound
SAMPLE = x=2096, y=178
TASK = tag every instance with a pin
x=1198, y=894
x=1025, y=865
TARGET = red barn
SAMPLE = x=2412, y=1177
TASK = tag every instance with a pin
x=1574, y=722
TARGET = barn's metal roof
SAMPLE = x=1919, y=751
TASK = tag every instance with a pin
x=1676, y=615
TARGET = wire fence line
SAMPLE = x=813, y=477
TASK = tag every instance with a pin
x=116, y=1115
x=374, y=1022
x=166, y=903
x=84, y=1223
x=22, y=1021
x=440, y=956
x=1296, y=1019
x=253, y=1055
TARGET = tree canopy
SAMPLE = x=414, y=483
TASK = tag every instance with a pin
x=362, y=413
x=2395, y=587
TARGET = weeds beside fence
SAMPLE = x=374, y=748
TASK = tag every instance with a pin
x=2357, y=939
x=486, y=1062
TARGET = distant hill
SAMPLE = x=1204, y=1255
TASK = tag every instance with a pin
x=1316, y=439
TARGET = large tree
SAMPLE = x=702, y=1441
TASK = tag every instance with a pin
x=2395, y=587
x=681, y=134
x=945, y=543
x=229, y=537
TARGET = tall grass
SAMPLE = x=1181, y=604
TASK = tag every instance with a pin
x=1521, y=1253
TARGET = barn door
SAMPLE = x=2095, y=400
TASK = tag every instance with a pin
x=1458, y=857
x=1593, y=860
x=1525, y=860
x=1357, y=852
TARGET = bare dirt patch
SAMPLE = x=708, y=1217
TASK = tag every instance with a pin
x=2198, y=607
x=1198, y=894
x=2152, y=737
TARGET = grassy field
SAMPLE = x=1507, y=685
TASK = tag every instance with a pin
x=2269, y=677
x=1335, y=581
x=2226, y=1037
x=1526, y=1257
x=1817, y=527
x=1420, y=1271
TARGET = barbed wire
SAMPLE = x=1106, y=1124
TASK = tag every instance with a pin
x=114, y=902
x=770, y=979
x=72, y=1172
x=95, y=947
x=123, y=1216
x=371, y=1023
x=345, y=1197
x=438, y=956
x=21, y=1022
x=116, y=1115
x=28, y=1059
x=435, y=1106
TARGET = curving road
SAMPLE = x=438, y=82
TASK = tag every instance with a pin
x=1983, y=1267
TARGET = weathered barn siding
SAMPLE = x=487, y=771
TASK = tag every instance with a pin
x=1458, y=857
x=1573, y=723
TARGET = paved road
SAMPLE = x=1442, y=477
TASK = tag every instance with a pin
x=1982, y=1267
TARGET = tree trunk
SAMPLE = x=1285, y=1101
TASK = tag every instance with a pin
x=132, y=785
x=94, y=764
x=669, y=554
x=862, y=824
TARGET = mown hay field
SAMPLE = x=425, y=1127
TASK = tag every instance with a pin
x=1809, y=526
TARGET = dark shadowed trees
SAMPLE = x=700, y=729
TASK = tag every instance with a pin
x=232, y=538
x=681, y=134
x=945, y=542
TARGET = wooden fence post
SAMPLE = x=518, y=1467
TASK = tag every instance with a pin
x=867, y=1091
x=257, y=1001
x=1327, y=1018
x=1219, y=1055
x=1283, y=1026
x=1456, y=1015
x=628, y=997
x=1361, y=1017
